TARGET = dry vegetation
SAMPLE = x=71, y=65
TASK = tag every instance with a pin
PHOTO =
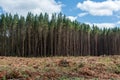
x=60, y=68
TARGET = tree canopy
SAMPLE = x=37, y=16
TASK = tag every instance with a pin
x=37, y=35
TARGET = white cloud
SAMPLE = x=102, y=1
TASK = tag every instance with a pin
x=22, y=7
x=82, y=14
x=105, y=8
x=118, y=22
x=72, y=18
x=106, y=25
x=103, y=25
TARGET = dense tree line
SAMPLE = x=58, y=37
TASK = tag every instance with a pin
x=37, y=35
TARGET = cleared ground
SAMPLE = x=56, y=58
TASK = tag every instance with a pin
x=60, y=68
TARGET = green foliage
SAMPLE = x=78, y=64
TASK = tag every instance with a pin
x=81, y=65
x=37, y=35
x=117, y=69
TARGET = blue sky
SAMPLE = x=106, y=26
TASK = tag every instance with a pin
x=104, y=20
x=103, y=13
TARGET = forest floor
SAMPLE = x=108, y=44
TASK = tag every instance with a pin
x=60, y=68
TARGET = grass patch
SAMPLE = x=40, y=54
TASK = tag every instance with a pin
x=105, y=60
x=72, y=78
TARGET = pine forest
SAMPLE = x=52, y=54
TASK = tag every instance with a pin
x=43, y=35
